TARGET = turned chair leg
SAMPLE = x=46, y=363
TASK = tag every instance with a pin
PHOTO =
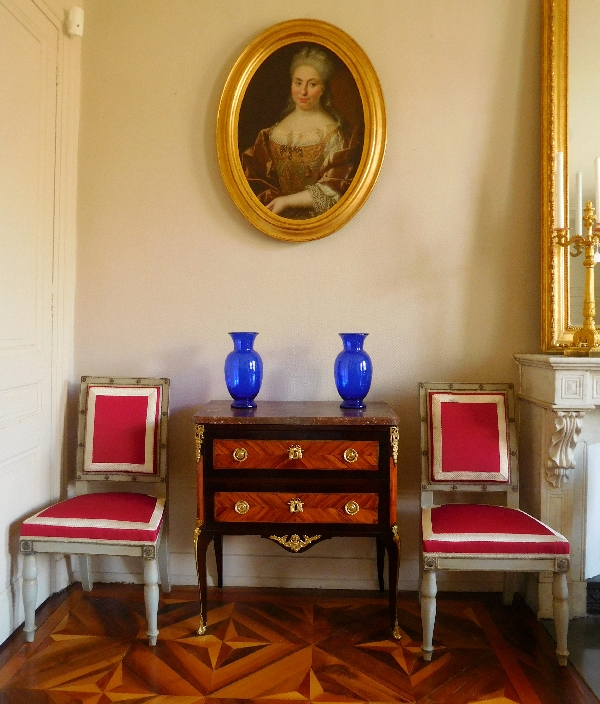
x=510, y=585
x=85, y=569
x=428, y=609
x=218, y=545
x=560, y=596
x=151, y=598
x=29, y=594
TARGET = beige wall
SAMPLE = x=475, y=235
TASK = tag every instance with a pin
x=440, y=266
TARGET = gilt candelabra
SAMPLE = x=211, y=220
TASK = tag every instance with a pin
x=586, y=340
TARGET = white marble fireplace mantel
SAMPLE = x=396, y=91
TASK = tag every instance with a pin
x=559, y=419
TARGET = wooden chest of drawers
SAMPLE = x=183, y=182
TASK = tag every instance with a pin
x=297, y=474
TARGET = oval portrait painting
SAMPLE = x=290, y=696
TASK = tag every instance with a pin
x=301, y=130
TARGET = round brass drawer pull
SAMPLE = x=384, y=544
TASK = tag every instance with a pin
x=352, y=508
x=296, y=506
x=350, y=455
x=240, y=454
x=295, y=452
x=241, y=507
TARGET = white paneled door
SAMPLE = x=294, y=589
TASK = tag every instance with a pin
x=28, y=116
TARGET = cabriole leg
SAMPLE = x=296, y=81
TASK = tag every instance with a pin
x=393, y=549
x=218, y=541
x=560, y=595
x=201, y=541
x=151, y=598
x=428, y=609
x=29, y=594
x=380, y=545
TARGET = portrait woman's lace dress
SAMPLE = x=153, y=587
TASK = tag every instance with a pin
x=322, y=161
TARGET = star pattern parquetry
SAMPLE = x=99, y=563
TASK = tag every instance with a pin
x=266, y=650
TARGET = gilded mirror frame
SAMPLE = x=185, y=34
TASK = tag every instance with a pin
x=557, y=333
x=347, y=51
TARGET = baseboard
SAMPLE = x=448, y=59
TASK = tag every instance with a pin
x=593, y=597
x=291, y=571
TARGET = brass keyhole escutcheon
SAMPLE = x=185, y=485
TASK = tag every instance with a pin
x=352, y=508
x=350, y=455
x=296, y=506
x=241, y=507
x=295, y=452
x=240, y=454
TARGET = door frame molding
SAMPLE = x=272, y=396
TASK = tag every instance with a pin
x=68, y=94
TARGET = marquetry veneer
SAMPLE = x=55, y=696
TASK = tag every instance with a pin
x=297, y=474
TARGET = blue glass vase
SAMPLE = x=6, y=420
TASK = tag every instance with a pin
x=243, y=370
x=353, y=370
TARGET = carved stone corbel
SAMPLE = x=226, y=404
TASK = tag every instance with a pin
x=562, y=450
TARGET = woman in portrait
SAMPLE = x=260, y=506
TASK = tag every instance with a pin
x=301, y=166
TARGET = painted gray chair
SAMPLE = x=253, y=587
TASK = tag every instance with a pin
x=122, y=444
x=468, y=447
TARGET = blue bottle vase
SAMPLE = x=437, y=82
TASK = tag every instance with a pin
x=353, y=370
x=243, y=370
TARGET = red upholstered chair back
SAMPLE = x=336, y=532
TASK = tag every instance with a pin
x=122, y=434
x=470, y=443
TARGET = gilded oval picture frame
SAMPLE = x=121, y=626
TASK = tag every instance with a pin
x=301, y=130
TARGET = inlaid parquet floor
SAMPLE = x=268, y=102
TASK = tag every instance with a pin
x=278, y=646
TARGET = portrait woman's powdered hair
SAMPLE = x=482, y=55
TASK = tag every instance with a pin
x=323, y=63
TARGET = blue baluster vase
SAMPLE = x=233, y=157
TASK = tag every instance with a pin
x=243, y=370
x=353, y=370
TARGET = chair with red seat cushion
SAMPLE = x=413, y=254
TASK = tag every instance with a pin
x=122, y=437
x=468, y=445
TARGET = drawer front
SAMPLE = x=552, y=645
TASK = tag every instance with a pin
x=263, y=507
x=297, y=455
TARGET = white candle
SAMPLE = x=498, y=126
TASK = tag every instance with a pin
x=560, y=190
x=597, y=170
x=579, y=204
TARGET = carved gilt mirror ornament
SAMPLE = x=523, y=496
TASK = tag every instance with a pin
x=556, y=334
